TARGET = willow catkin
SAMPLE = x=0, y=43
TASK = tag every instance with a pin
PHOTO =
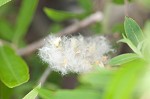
x=76, y=54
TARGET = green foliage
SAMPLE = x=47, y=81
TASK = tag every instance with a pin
x=125, y=80
x=134, y=38
x=2, y=2
x=33, y=93
x=69, y=94
x=109, y=84
x=60, y=16
x=143, y=86
x=132, y=64
x=24, y=19
x=13, y=70
x=116, y=83
x=96, y=79
x=124, y=58
x=133, y=31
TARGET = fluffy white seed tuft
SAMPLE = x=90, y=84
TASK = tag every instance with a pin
x=75, y=54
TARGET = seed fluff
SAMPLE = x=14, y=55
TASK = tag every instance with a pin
x=76, y=54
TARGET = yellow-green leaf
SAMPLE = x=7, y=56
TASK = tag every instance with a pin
x=125, y=79
x=13, y=70
x=24, y=19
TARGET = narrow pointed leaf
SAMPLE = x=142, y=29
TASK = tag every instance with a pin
x=33, y=93
x=13, y=70
x=59, y=16
x=24, y=19
x=133, y=31
x=122, y=59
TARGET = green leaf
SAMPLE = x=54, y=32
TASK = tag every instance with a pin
x=6, y=30
x=132, y=46
x=122, y=59
x=33, y=93
x=69, y=94
x=2, y=2
x=13, y=70
x=96, y=79
x=125, y=80
x=24, y=19
x=60, y=16
x=133, y=31
x=87, y=5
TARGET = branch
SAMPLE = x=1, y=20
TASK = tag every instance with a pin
x=96, y=17
x=4, y=42
x=44, y=76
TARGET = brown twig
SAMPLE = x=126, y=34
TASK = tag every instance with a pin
x=4, y=42
x=96, y=17
x=1, y=42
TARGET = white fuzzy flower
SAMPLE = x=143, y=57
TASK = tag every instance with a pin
x=76, y=54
